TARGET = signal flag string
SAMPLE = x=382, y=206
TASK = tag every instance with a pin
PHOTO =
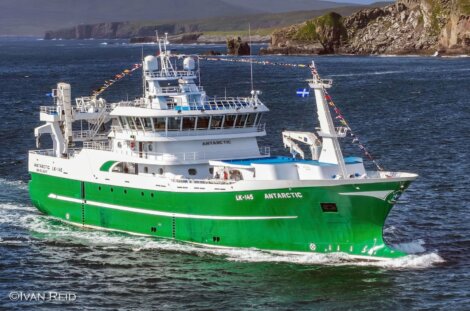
x=342, y=120
x=116, y=78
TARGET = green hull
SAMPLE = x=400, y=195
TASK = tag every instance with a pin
x=263, y=219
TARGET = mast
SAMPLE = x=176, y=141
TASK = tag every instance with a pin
x=331, y=150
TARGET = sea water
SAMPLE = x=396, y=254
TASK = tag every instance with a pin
x=411, y=112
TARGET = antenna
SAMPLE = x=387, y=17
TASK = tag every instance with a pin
x=199, y=70
x=251, y=60
x=143, y=71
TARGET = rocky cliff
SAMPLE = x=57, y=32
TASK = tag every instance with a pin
x=118, y=30
x=406, y=27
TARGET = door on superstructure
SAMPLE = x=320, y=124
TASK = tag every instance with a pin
x=141, y=149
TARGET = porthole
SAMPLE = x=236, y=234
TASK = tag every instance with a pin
x=119, y=144
x=160, y=171
x=142, y=194
x=329, y=207
x=151, y=195
x=99, y=188
x=150, y=147
x=211, y=170
x=192, y=171
x=125, y=191
x=146, y=169
x=112, y=189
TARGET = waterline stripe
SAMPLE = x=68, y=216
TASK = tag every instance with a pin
x=166, y=214
x=375, y=194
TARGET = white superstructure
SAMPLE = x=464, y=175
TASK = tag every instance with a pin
x=175, y=131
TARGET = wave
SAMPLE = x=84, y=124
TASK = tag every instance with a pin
x=368, y=73
x=19, y=184
x=51, y=229
x=47, y=228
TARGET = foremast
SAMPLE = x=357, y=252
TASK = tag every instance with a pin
x=331, y=148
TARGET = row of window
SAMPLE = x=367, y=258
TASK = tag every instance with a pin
x=132, y=168
x=125, y=191
x=180, y=123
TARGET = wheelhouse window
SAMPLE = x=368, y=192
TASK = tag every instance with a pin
x=131, y=123
x=250, y=121
x=159, y=124
x=124, y=123
x=241, y=119
x=147, y=123
x=189, y=123
x=203, y=123
x=216, y=122
x=138, y=124
x=229, y=121
x=258, y=120
x=174, y=123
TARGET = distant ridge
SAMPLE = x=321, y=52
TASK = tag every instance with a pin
x=34, y=17
x=260, y=24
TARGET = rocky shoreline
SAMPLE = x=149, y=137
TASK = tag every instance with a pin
x=421, y=27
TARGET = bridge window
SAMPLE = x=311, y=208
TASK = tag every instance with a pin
x=131, y=123
x=123, y=121
x=138, y=123
x=250, y=121
x=258, y=119
x=216, y=122
x=229, y=121
x=241, y=120
x=174, y=123
x=159, y=124
x=203, y=123
x=189, y=123
x=147, y=123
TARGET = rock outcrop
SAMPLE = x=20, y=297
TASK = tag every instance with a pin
x=406, y=27
x=235, y=46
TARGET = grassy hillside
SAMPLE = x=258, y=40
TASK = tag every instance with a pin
x=33, y=17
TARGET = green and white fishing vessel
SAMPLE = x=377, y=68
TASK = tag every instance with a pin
x=181, y=165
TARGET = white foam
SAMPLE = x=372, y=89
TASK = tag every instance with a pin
x=412, y=247
x=368, y=73
x=14, y=183
x=50, y=229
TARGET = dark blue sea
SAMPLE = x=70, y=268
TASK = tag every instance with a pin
x=413, y=114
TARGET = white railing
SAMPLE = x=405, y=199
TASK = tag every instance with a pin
x=51, y=153
x=170, y=74
x=132, y=103
x=193, y=132
x=97, y=145
x=203, y=181
x=181, y=156
x=48, y=109
x=229, y=103
x=178, y=89
x=88, y=134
